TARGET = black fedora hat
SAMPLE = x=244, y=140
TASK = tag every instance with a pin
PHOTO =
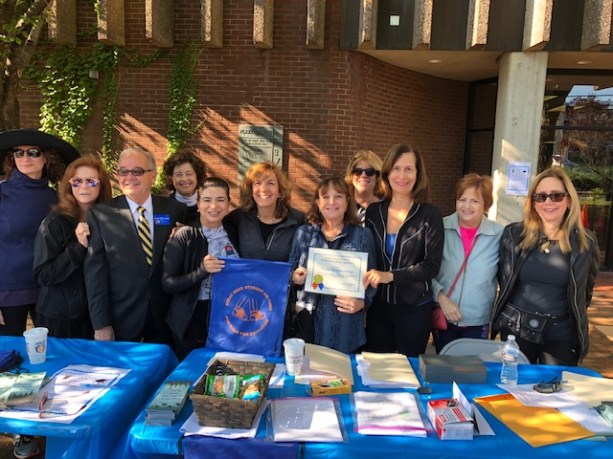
x=34, y=137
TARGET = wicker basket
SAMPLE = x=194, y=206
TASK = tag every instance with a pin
x=225, y=412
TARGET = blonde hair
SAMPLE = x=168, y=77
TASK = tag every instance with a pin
x=371, y=158
x=572, y=218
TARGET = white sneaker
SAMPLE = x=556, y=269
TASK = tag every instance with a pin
x=25, y=447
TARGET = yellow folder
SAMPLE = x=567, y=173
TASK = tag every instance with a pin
x=536, y=426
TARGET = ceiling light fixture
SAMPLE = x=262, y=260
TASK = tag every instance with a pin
x=435, y=61
x=584, y=62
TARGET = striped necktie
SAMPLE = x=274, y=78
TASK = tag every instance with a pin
x=144, y=234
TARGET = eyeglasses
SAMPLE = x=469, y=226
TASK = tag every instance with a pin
x=78, y=182
x=136, y=172
x=357, y=171
x=31, y=152
x=555, y=197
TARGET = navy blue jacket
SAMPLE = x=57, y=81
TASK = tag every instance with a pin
x=24, y=203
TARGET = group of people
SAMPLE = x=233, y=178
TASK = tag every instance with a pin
x=138, y=266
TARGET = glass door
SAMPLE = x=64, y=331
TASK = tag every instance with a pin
x=577, y=134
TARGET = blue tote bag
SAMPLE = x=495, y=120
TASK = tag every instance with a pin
x=248, y=302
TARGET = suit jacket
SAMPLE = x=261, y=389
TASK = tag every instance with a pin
x=121, y=287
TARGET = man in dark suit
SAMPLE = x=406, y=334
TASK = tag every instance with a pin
x=123, y=273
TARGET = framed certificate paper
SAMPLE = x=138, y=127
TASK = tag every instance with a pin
x=336, y=272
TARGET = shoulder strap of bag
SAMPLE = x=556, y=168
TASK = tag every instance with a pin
x=457, y=277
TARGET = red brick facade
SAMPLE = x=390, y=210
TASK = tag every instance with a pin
x=330, y=102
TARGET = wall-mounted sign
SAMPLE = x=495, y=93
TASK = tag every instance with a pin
x=518, y=179
x=258, y=143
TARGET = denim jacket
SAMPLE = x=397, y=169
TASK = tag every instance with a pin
x=475, y=290
x=340, y=331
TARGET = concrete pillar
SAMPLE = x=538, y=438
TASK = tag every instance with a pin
x=368, y=25
x=519, y=107
x=537, y=24
x=159, y=22
x=263, y=11
x=62, y=23
x=111, y=22
x=212, y=23
x=316, y=22
x=422, y=24
x=478, y=19
x=596, y=30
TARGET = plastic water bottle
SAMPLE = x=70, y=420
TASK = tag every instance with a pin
x=510, y=361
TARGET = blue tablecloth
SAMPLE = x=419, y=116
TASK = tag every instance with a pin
x=164, y=442
x=100, y=432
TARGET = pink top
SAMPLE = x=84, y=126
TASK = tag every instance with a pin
x=468, y=234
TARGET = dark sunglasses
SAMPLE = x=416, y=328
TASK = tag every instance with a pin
x=357, y=171
x=77, y=182
x=31, y=152
x=555, y=197
x=136, y=172
x=549, y=387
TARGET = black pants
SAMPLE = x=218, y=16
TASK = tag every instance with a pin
x=403, y=329
x=561, y=351
x=15, y=319
x=196, y=333
x=69, y=328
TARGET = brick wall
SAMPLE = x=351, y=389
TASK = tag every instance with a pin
x=330, y=102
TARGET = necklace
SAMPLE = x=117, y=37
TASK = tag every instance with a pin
x=547, y=245
x=269, y=221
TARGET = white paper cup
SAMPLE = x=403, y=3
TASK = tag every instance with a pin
x=294, y=355
x=36, y=344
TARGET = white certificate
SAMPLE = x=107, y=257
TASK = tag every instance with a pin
x=336, y=272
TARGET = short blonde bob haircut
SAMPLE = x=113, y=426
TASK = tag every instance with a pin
x=375, y=162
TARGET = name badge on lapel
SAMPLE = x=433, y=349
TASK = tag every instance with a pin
x=161, y=219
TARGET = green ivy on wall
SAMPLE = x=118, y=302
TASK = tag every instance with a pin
x=182, y=96
x=64, y=76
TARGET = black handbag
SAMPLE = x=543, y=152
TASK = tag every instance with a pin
x=298, y=321
x=10, y=360
x=529, y=326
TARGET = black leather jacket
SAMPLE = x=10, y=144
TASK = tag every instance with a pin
x=584, y=268
x=417, y=255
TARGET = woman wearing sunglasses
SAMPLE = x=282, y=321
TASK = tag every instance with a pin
x=548, y=265
x=60, y=248
x=32, y=160
x=363, y=175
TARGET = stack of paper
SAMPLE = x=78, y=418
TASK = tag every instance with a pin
x=305, y=420
x=386, y=371
x=393, y=413
x=68, y=393
x=538, y=426
x=165, y=407
x=323, y=363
